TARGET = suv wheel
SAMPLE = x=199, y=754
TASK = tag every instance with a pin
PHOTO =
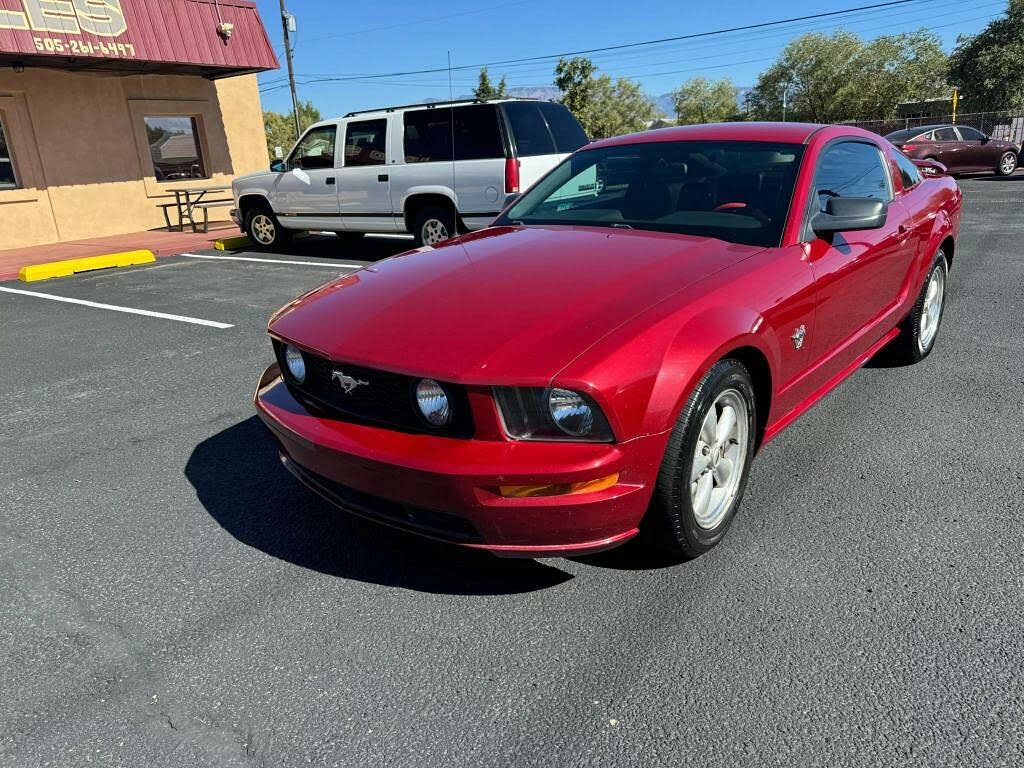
x=263, y=228
x=1007, y=164
x=434, y=225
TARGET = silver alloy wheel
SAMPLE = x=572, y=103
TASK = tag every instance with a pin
x=1008, y=163
x=262, y=229
x=931, y=312
x=719, y=459
x=434, y=231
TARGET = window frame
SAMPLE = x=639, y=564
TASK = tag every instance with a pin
x=16, y=184
x=898, y=158
x=197, y=139
x=812, y=207
x=289, y=161
x=344, y=144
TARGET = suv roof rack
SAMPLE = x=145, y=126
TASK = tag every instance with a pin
x=432, y=104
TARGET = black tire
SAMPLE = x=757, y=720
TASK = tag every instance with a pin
x=1004, y=160
x=426, y=223
x=909, y=347
x=264, y=230
x=671, y=523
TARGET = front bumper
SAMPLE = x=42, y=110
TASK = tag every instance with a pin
x=236, y=217
x=447, y=488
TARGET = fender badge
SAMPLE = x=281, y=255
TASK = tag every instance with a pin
x=798, y=337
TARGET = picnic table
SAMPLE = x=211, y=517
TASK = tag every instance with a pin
x=187, y=200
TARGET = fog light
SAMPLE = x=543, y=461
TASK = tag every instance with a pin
x=559, y=489
x=433, y=402
x=296, y=363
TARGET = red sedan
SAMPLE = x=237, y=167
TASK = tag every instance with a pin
x=610, y=355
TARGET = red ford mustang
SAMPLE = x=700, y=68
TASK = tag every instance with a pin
x=609, y=356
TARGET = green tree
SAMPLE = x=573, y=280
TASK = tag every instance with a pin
x=700, y=100
x=280, y=128
x=988, y=68
x=604, y=107
x=484, y=89
x=830, y=78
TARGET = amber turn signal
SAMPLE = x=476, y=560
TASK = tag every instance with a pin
x=559, y=489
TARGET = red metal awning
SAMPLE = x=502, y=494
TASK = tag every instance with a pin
x=162, y=36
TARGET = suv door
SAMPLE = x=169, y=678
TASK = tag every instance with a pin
x=479, y=163
x=364, y=183
x=858, y=275
x=306, y=194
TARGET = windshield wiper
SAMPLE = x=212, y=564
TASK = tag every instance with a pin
x=619, y=225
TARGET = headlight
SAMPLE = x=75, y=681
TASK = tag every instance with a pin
x=551, y=413
x=433, y=403
x=295, y=362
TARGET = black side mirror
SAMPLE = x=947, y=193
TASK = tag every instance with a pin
x=848, y=214
x=985, y=139
x=279, y=166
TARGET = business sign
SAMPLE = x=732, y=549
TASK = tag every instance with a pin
x=177, y=32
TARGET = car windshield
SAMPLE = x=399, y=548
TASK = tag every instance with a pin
x=737, y=191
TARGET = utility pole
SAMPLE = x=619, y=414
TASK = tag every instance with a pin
x=287, y=20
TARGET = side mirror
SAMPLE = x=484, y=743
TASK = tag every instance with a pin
x=849, y=214
x=930, y=167
x=985, y=139
x=279, y=166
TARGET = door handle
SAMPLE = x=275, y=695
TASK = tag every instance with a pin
x=382, y=177
x=330, y=180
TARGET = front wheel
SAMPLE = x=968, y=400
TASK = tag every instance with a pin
x=1007, y=164
x=706, y=464
x=921, y=327
x=263, y=228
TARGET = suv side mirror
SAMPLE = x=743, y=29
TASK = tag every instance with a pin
x=279, y=166
x=849, y=214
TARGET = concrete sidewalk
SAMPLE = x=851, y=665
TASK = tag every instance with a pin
x=159, y=241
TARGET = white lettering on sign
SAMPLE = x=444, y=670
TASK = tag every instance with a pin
x=98, y=17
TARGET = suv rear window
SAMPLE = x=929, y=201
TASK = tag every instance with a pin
x=568, y=133
x=543, y=128
x=428, y=134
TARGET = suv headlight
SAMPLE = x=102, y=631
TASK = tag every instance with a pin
x=551, y=413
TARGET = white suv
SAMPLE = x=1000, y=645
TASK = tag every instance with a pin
x=394, y=170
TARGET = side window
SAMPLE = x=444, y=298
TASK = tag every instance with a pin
x=908, y=171
x=428, y=135
x=529, y=129
x=316, y=149
x=477, y=136
x=366, y=142
x=851, y=169
x=568, y=133
x=7, y=178
x=970, y=134
x=945, y=134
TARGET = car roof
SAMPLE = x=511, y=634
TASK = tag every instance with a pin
x=384, y=111
x=785, y=133
x=922, y=129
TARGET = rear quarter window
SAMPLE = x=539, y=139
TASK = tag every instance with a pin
x=529, y=129
x=565, y=128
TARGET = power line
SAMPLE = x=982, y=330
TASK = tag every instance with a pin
x=621, y=46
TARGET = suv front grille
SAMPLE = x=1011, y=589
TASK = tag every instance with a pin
x=380, y=398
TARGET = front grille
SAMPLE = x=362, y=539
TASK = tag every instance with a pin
x=442, y=525
x=381, y=397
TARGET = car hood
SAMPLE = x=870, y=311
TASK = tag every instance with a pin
x=507, y=304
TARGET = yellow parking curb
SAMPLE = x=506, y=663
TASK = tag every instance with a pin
x=68, y=267
x=231, y=243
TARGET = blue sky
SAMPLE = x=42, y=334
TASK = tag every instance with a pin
x=349, y=39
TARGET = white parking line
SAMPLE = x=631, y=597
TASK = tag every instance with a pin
x=272, y=261
x=113, y=308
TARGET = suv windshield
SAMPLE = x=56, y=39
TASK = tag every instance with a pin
x=737, y=191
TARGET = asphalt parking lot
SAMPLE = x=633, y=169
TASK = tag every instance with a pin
x=172, y=597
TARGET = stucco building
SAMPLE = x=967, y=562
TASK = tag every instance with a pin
x=107, y=104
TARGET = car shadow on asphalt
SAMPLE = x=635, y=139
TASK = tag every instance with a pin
x=368, y=248
x=239, y=479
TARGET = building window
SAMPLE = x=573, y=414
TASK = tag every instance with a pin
x=175, y=148
x=7, y=178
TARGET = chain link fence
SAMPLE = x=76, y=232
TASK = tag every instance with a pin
x=1003, y=125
